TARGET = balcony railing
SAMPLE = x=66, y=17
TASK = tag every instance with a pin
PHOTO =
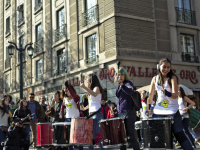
x=8, y=63
x=38, y=6
x=185, y=16
x=91, y=15
x=39, y=79
x=60, y=33
x=38, y=45
x=92, y=60
x=190, y=58
x=8, y=3
x=20, y=21
x=59, y=72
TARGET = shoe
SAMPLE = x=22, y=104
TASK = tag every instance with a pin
x=177, y=143
x=198, y=142
x=141, y=147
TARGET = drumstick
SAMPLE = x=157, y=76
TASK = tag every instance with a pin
x=66, y=73
x=118, y=65
x=81, y=75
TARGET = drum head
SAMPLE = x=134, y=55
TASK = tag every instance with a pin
x=61, y=123
x=117, y=118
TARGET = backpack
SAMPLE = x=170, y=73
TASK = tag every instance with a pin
x=136, y=100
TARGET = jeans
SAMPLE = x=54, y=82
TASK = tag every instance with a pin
x=185, y=123
x=27, y=129
x=96, y=129
x=71, y=146
x=193, y=134
x=177, y=126
x=2, y=138
x=130, y=129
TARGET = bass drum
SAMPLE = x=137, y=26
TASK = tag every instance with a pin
x=194, y=119
x=157, y=133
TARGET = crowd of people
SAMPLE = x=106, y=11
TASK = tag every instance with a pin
x=17, y=121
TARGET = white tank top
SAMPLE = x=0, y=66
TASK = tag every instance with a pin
x=164, y=104
x=182, y=105
x=71, y=109
x=94, y=102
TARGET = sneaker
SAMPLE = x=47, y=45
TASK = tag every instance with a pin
x=198, y=142
x=177, y=143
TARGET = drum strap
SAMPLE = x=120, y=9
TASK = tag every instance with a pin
x=94, y=113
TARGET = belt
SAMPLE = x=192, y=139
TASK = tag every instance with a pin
x=93, y=113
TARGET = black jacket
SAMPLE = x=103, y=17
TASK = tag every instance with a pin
x=14, y=136
x=19, y=114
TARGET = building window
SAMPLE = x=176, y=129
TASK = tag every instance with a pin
x=38, y=45
x=7, y=83
x=39, y=70
x=38, y=5
x=188, y=48
x=21, y=44
x=61, y=57
x=90, y=14
x=91, y=49
x=184, y=12
x=20, y=9
x=8, y=25
x=60, y=32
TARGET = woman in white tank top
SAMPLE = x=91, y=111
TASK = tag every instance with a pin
x=166, y=84
x=183, y=109
x=95, y=93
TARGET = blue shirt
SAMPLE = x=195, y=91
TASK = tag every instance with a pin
x=32, y=107
x=125, y=102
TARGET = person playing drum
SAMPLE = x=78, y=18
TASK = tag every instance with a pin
x=125, y=105
x=166, y=85
x=95, y=93
x=71, y=103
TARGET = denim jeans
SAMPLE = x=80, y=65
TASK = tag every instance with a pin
x=27, y=129
x=185, y=123
x=96, y=129
x=71, y=146
x=2, y=138
x=177, y=126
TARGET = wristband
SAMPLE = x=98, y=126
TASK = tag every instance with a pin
x=168, y=94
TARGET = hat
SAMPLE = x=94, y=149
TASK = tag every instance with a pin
x=122, y=70
x=12, y=102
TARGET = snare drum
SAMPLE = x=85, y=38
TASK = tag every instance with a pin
x=81, y=131
x=157, y=132
x=61, y=133
x=113, y=132
x=138, y=125
x=44, y=134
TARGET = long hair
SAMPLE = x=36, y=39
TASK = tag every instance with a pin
x=95, y=83
x=183, y=97
x=8, y=95
x=146, y=96
x=59, y=95
x=21, y=104
x=3, y=107
x=72, y=90
x=169, y=75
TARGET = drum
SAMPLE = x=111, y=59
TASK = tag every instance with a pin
x=194, y=118
x=61, y=133
x=138, y=125
x=157, y=132
x=113, y=132
x=81, y=131
x=44, y=134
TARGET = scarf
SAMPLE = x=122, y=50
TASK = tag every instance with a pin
x=143, y=100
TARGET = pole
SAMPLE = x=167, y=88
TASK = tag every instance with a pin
x=20, y=74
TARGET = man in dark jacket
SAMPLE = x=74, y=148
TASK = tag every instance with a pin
x=39, y=116
x=14, y=138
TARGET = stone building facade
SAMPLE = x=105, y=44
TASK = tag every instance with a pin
x=90, y=36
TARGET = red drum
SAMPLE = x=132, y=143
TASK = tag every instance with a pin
x=81, y=131
x=44, y=134
x=113, y=132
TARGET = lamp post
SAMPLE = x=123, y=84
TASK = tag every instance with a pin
x=11, y=49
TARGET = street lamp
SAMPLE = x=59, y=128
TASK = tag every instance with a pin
x=11, y=49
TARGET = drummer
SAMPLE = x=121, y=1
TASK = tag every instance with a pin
x=166, y=85
x=125, y=105
x=71, y=103
x=95, y=93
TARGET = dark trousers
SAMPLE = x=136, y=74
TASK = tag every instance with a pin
x=130, y=129
x=185, y=123
x=12, y=148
